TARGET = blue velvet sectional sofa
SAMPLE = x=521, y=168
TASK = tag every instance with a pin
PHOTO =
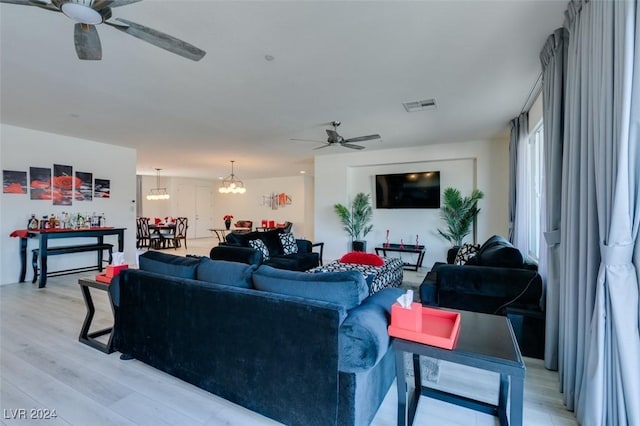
x=300, y=348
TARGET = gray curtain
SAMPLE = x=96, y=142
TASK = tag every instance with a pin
x=519, y=131
x=553, y=59
x=599, y=335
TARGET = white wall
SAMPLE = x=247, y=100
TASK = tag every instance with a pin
x=179, y=204
x=467, y=165
x=249, y=206
x=23, y=148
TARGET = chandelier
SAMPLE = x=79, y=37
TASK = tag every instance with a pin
x=232, y=185
x=158, y=193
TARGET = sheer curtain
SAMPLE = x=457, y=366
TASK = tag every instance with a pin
x=599, y=338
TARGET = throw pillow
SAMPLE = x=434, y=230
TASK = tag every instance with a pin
x=259, y=245
x=362, y=258
x=288, y=241
x=466, y=252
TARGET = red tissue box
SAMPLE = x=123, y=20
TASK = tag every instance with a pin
x=112, y=271
x=407, y=319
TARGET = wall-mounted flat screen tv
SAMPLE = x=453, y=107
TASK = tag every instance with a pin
x=408, y=191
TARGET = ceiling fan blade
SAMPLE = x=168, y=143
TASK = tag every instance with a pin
x=43, y=4
x=101, y=4
x=306, y=140
x=87, y=42
x=160, y=39
x=363, y=138
x=323, y=146
x=352, y=146
x=21, y=2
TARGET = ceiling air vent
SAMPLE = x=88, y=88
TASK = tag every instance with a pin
x=414, y=106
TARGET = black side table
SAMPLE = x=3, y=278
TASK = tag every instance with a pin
x=486, y=342
x=86, y=337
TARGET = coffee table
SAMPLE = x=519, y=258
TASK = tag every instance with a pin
x=486, y=342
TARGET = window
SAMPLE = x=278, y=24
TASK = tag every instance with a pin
x=534, y=184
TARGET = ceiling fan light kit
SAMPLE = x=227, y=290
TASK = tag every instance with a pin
x=231, y=184
x=158, y=193
x=88, y=13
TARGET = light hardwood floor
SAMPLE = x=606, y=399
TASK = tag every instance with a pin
x=43, y=366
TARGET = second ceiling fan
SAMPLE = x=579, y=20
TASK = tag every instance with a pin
x=334, y=139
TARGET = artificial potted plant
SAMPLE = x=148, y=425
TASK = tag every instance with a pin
x=356, y=220
x=459, y=214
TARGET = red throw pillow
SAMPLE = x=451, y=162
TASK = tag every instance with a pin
x=362, y=258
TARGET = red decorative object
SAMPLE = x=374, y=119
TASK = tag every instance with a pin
x=362, y=258
x=227, y=217
x=113, y=270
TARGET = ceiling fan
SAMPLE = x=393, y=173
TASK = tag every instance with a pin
x=333, y=138
x=89, y=13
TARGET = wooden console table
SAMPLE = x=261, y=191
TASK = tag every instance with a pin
x=400, y=248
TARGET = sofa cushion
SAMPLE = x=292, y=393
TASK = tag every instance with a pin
x=228, y=273
x=260, y=246
x=294, y=262
x=363, y=338
x=362, y=258
x=347, y=288
x=498, y=252
x=466, y=252
x=169, y=264
x=288, y=242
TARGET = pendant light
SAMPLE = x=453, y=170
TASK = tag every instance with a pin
x=158, y=193
x=231, y=184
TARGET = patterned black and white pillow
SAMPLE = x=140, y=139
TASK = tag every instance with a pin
x=288, y=242
x=466, y=252
x=259, y=245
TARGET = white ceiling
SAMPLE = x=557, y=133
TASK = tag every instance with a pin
x=334, y=60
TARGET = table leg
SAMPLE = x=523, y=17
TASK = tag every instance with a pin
x=401, y=384
x=517, y=400
x=100, y=258
x=89, y=338
x=44, y=241
x=23, y=259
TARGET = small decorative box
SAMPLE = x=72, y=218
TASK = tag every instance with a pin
x=112, y=270
x=438, y=327
x=407, y=319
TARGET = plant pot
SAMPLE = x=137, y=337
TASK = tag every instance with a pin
x=359, y=245
x=451, y=254
x=227, y=224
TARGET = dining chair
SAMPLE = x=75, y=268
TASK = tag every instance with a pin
x=182, y=224
x=144, y=236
